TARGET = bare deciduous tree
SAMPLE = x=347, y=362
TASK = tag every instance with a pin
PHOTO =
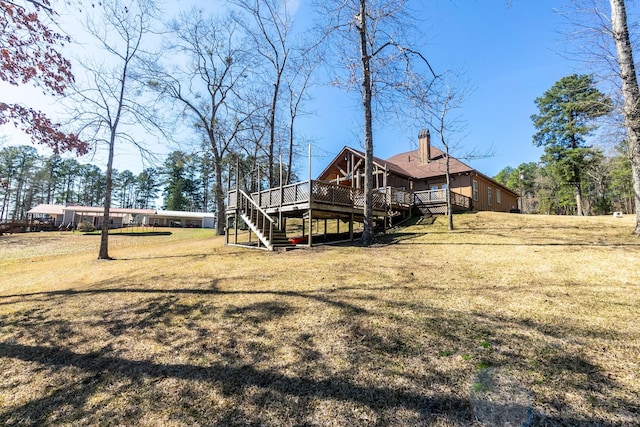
x=603, y=38
x=269, y=30
x=207, y=84
x=298, y=81
x=630, y=92
x=439, y=106
x=109, y=103
x=369, y=39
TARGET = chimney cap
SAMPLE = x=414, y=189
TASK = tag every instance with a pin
x=424, y=133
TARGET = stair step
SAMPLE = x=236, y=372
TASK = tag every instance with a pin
x=278, y=237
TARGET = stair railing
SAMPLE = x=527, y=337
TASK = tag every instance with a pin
x=249, y=206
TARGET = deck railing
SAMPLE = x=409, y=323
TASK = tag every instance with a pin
x=340, y=195
x=260, y=219
x=428, y=197
x=298, y=193
x=399, y=197
x=288, y=195
x=460, y=200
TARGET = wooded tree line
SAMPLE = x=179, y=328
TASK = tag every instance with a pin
x=575, y=176
x=184, y=180
x=606, y=182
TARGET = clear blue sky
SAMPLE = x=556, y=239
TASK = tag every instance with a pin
x=509, y=52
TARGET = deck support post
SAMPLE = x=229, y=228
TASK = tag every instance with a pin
x=235, y=227
x=280, y=198
x=325, y=230
x=351, y=227
x=310, y=199
x=310, y=227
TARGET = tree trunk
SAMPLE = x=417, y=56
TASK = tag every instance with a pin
x=287, y=181
x=367, y=233
x=5, y=201
x=272, y=129
x=579, y=210
x=104, y=236
x=635, y=170
x=630, y=92
x=449, y=204
x=219, y=196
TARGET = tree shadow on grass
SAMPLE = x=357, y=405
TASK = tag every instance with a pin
x=396, y=238
x=231, y=380
x=132, y=233
x=256, y=377
x=313, y=295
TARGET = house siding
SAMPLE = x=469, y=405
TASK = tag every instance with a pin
x=508, y=201
x=425, y=177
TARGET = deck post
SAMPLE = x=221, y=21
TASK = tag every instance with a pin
x=310, y=199
x=351, y=227
x=259, y=187
x=310, y=227
x=238, y=204
x=280, y=204
x=226, y=217
x=235, y=226
x=325, y=230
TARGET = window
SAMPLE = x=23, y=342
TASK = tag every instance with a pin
x=498, y=196
x=489, y=197
x=475, y=190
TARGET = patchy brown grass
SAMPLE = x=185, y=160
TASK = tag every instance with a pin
x=509, y=319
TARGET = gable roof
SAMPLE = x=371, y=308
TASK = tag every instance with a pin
x=96, y=211
x=410, y=163
x=377, y=161
x=48, y=209
x=183, y=214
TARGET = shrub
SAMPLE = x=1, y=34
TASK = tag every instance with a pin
x=86, y=227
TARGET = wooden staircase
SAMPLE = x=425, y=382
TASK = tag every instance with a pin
x=261, y=224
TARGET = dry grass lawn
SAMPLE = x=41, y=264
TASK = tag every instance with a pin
x=509, y=320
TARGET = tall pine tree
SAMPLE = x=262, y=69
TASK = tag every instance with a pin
x=567, y=116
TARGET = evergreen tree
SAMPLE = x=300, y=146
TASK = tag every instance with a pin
x=176, y=182
x=567, y=116
x=621, y=181
x=147, y=185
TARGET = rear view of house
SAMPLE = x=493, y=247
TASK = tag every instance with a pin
x=421, y=170
x=404, y=184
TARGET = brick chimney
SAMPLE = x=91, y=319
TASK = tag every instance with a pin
x=424, y=146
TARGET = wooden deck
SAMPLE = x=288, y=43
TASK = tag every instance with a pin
x=265, y=212
x=302, y=196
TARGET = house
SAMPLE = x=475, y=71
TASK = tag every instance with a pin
x=57, y=215
x=420, y=170
x=403, y=185
x=164, y=218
